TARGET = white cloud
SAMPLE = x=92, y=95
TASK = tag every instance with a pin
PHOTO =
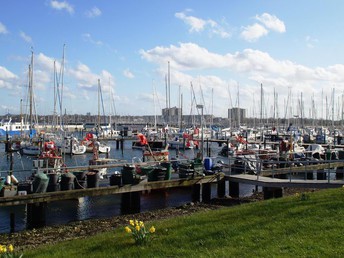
x=94, y=12
x=127, y=73
x=25, y=37
x=62, y=6
x=88, y=80
x=271, y=22
x=199, y=25
x=195, y=23
x=7, y=78
x=3, y=29
x=268, y=22
x=254, y=32
x=188, y=60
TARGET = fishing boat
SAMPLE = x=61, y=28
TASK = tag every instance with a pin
x=90, y=141
x=73, y=146
x=7, y=127
x=31, y=150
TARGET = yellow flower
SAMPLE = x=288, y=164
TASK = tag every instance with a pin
x=136, y=222
x=137, y=228
x=2, y=249
x=127, y=229
x=141, y=224
x=10, y=248
x=152, y=229
x=131, y=222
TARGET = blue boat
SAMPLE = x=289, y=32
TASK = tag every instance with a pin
x=15, y=128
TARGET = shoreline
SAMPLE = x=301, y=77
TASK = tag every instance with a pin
x=29, y=239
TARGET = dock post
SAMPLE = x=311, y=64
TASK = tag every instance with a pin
x=130, y=203
x=196, y=193
x=12, y=222
x=122, y=143
x=36, y=215
x=272, y=192
x=117, y=144
x=309, y=175
x=339, y=173
x=206, y=192
x=233, y=189
x=321, y=175
x=221, y=187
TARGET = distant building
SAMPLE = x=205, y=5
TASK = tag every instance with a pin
x=171, y=115
x=236, y=116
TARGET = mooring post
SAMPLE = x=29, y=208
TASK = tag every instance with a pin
x=196, y=193
x=12, y=222
x=233, y=189
x=272, y=192
x=130, y=203
x=206, y=192
x=122, y=143
x=36, y=215
x=221, y=187
x=117, y=144
x=339, y=173
x=321, y=175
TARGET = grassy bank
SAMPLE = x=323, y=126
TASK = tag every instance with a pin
x=307, y=225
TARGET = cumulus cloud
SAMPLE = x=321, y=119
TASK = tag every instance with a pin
x=7, y=78
x=267, y=23
x=271, y=22
x=25, y=37
x=86, y=79
x=187, y=60
x=253, y=32
x=94, y=12
x=3, y=29
x=198, y=25
x=127, y=73
x=62, y=6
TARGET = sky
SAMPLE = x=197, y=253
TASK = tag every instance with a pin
x=274, y=58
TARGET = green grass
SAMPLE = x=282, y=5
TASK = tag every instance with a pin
x=285, y=227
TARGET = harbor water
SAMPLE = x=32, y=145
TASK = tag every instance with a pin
x=62, y=212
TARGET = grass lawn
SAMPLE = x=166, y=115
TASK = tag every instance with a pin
x=304, y=225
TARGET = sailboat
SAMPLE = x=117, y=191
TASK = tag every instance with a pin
x=31, y=147
x=91, y=140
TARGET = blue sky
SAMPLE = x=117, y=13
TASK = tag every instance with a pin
x=224, y=49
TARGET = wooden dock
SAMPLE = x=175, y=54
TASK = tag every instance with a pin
x=264, y=181
x=107, y=190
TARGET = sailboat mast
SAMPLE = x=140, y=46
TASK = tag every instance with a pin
x=98, y=104
x=31, y=91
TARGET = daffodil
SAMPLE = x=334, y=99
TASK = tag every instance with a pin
x=139, y=232
x=152, y=229
x=128, y=230
x=10, y=248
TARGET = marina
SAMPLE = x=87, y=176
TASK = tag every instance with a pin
x=115, y=193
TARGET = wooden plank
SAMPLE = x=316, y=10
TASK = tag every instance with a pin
x=305, y=168
x=72, y=194
x=276, y=182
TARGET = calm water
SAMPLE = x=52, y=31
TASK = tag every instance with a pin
x=62, y=212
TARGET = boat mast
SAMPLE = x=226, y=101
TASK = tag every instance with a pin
x=30, y=92
x=98, y=106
